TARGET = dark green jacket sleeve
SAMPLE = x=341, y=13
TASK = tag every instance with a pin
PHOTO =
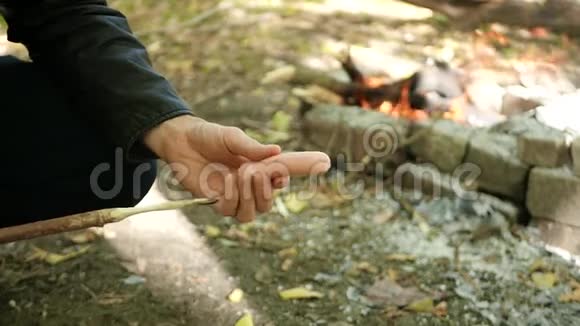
x=90, y=47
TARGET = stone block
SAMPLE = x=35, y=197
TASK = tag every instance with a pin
x=575, y=153
x=502, y=173
x=538, y=144
x=543, y=147
x=554, y=194
x=429, y=180
x=355, y=133
x=443, y=143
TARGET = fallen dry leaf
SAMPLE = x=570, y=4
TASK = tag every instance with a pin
x=236, y=296
x=53, y=258
x=246, y=320
x=288, y=252
x=286, y=264
x=281, y=121
x=384, y=217
x=544, y=280
x=441, y=309
x=421, y=305
x=386, y=292
x=367, y=267
x=212, y=231
x=279, y=75
x=299, y=293
x=573, y=296
x=539, y=265
x=295, y=204
x=393, y=274
x=400, y=257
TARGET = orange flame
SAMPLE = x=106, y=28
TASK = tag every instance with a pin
x=403, y=108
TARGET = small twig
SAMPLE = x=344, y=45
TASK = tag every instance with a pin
x=89, y=291
x=88, y=219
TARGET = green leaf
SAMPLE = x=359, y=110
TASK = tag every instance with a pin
x=281, y=121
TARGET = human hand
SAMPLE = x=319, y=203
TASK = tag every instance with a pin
x=226, y=164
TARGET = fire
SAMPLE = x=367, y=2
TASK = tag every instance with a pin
x=403, y=108
x=456, y=110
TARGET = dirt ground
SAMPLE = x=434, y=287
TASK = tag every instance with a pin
x=462, y=264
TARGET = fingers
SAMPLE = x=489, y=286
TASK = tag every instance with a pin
x=262, y=192
x=240, y=144
x=228, y=205
x=247, y=205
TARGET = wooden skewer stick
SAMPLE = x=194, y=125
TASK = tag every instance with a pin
x=85, y=220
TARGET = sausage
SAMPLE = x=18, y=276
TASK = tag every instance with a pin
x=297, y=164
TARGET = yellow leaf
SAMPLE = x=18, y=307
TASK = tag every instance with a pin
x=53, y=258
x=281, y=121
x=422, y=305
x=538, y=265
x=236, y=295
x=286, y=264
x=544, y=280
x=246, y=320
x=294, y=204
x=573, y=296
x=279, y=75
x=288, y=252
x=212, y=231
x=367, y=267
x=400, y=257
x=393, y=274
x=299, y=293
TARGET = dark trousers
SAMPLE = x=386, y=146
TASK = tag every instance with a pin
x=54, y=162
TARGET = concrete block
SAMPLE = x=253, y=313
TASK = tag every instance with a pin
x=575, y=153
x=429, y=180
x=443, y=143
x=554, y=194
x=355, y=133
x=538, y=144
x=502, y=173
x=543, y=147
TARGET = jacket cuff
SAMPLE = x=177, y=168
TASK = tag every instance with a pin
x=135, y=150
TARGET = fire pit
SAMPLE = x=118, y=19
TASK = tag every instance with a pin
x=419, y=131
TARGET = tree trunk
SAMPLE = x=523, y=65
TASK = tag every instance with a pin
x=556, y=15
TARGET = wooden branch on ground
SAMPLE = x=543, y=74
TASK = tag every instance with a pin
x=556, y=15
x=352, y=92
x=88, y=219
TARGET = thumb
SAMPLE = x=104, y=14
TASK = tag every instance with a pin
x=238, y=143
